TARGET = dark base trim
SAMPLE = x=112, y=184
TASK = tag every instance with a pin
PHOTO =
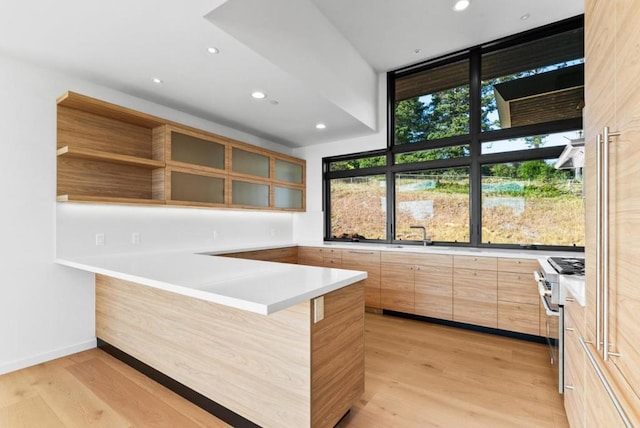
x=184, y=391
x=498, y=332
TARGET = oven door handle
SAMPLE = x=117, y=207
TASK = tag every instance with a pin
x=550, y=312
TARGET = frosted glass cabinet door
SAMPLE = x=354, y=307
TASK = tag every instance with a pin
x=197, y=188
x=196, y=151
x=288, y=198
x=249, y=194
x=288, y=171
x=244, y=162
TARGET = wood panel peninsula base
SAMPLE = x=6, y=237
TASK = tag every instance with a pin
x=273, y=370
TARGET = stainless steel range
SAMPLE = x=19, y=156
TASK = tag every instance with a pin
x=553, y=296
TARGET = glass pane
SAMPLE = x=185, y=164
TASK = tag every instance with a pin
x=529, y=143
x=250, y=194
x=185, y=148
x=245, y=162
x=358, y=207
x=536, y=82
x=288, y=198
x=432, y=154
x=197, y=188
x=288, y=171
x=435, y=199
x=432, y=104
x=531, y=203
x=359, y=163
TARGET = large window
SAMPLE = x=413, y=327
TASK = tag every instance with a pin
x=473, y=143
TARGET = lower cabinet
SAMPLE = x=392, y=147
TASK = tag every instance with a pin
x=434, y=287
x=397, y=286
x=518, y=299
x=574, y=369
x=320, y=256
x=420, y=284
x=600, y=410
x=475, y=290
x=368, y=261
x=487, y=291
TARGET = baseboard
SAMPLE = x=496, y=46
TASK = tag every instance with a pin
x=46, y=356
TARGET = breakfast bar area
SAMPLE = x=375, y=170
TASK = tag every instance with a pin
x=296, y=366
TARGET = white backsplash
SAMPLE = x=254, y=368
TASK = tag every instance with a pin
x=162, y=228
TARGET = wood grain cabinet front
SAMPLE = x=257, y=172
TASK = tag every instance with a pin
x=420, y=284
x=475, y=290
x=368, y=261
x=574, y=367
x=111, y=154
x=518, y=299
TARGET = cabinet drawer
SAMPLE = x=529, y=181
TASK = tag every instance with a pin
x=310, y=256
x=476, y=278
x=361, y=257
x=518, y=287
x=332, y=262
x=574, y=314
x=331, y=252
x=417, y=258
x=519, y=317
x=473, y=262
x=526, y=266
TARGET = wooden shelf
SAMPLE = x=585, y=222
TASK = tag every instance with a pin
x=108, y=200
x=109, y=157
x=101, y=108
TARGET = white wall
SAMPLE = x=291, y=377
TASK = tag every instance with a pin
x=309, y=226
x=47, y=310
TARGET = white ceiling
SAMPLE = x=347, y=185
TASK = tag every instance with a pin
x=123, y=44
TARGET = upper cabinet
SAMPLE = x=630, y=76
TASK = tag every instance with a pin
x=111, y=154
x=107, y=153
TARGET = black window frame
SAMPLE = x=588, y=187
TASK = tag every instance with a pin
x=474, y=139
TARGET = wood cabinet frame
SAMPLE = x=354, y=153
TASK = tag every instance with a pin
x=111, y=154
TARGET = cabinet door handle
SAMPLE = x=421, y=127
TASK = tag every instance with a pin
x=569, y=299
x=569, y=329
x=569, y=387
x=606, y=135
x=360, y=252
x=599, y=179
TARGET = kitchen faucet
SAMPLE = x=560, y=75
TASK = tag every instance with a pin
x=425, y=240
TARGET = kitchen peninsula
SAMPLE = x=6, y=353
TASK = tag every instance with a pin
x=276, y=344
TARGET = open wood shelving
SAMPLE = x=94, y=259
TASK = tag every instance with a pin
x=111, y=154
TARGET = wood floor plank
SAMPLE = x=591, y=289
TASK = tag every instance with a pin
x=417, y=375
x=163, y=394
x=32, y=412
x=135, y=403
x=70, y=399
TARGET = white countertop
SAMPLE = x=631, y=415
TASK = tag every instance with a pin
x=256, y=286
x=437, y=249
x=252, y=285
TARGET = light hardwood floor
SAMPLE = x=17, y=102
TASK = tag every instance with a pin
x=417, y=375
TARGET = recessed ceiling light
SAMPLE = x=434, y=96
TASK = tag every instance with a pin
x=321, y=126
x=259, y=95
x=157, y=80
x=461, y=5
x=213, y=50
x=525, y=17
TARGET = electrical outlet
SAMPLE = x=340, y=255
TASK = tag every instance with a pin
x=273, y=233
x=318, y=309
x=135, y=238
x=215, y=235
x=99, y=238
